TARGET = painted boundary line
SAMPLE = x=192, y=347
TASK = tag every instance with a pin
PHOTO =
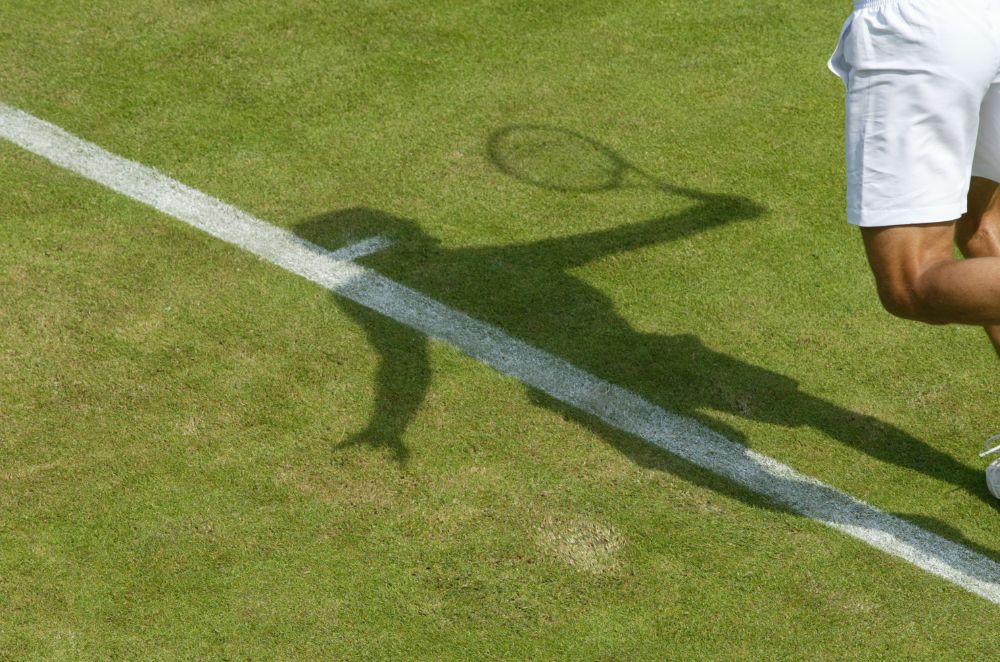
x=490, y=345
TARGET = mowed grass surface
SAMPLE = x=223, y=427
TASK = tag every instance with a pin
x=206, y=457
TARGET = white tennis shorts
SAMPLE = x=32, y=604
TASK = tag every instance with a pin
x=923, y=107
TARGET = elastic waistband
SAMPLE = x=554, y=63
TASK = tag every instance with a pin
x=868, y=4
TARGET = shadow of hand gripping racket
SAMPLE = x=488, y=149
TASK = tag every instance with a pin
x=528, y=290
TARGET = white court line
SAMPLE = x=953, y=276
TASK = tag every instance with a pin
x=612, y=404
x=360, y=249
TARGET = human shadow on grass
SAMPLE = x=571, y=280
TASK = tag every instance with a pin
x=529, y=290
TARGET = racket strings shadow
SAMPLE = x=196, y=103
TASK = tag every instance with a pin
x=565, y=161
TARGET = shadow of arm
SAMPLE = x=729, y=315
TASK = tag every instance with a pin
x=401, y=381
x=712, y=212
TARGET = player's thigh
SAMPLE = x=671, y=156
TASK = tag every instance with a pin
x=900, y=255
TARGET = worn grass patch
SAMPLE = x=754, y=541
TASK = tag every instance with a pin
x=582, y=544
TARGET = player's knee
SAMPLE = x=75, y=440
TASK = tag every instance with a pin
x=910, y=302
x=898, y=302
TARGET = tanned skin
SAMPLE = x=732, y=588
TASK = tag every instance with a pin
x=918, y=276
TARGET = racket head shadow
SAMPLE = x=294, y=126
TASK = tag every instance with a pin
x=558, y=159
x=562, y=160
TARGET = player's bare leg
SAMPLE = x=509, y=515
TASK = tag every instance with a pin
x=978, y=235
x=978, y=232
x=919, y=278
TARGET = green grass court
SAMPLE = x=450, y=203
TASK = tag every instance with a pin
x=207, y=457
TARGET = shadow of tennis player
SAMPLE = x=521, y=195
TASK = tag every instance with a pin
x=528, y=290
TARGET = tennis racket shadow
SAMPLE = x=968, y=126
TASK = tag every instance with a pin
x=529, y=290
x=561, y=160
